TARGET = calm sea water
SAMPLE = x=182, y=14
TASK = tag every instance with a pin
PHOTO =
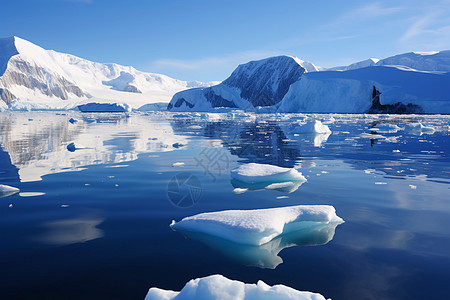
x=94, y=223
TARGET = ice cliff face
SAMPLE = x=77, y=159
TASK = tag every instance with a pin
x=37, y=78
x=401, y=88
x=257, y=83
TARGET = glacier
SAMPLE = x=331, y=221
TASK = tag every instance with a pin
x=351, y=91
x=218, y=287
x=32, y=78
x=257, y=226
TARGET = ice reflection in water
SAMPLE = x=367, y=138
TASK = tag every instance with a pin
x=266, y=256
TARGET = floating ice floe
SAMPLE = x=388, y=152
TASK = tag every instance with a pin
x=6, y=190
x=258, y=226
x=419, y=128
x=255, y=176
x=266, y=256
x=217, y=287
x=178, y=164
x=386, y=127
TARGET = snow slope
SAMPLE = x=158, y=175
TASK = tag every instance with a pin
x=31, y=77
x=256, y=83
x=351, y=91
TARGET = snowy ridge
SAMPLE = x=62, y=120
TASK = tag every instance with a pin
x=256, y=83
x=39, y=78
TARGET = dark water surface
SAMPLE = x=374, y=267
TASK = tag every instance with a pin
x=94, y=223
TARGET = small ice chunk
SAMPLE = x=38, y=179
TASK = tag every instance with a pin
x=413, y=187
x=396, y=151
x=380, y=183
x=240, y=190
x=253, y=173
x=178, y=164
x=387, y=127
x=104, y=107
x=257, y=226
x=6, y=190
x=314, y=126
x=418, y=127
x=215, y=287
x=282, y=197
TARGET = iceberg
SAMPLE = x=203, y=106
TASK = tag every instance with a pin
x=419, y=128
x=258, y=226
x=255, y=173
x=266, y=256
x=403, y=90
x=6, y=190
x=104, y=107
x=217, y=287
x=314, y=126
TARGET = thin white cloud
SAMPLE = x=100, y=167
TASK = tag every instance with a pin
x=430, y=30
x=211, y=68
x=212, y=61
x=364, y=13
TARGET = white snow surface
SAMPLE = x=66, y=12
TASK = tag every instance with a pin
x=257, y=226
x=254, y=173
x=98, y=81
x=218, y=287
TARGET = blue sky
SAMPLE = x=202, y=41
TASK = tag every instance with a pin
x=206, y=40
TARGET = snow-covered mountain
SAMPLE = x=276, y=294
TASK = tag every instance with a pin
x=257, y=83
x=436, y=61
x=32, y=77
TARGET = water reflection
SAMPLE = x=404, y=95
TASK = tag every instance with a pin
x=266, y=256
x=34, y=144
x=267, y=139
x=71, y=231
